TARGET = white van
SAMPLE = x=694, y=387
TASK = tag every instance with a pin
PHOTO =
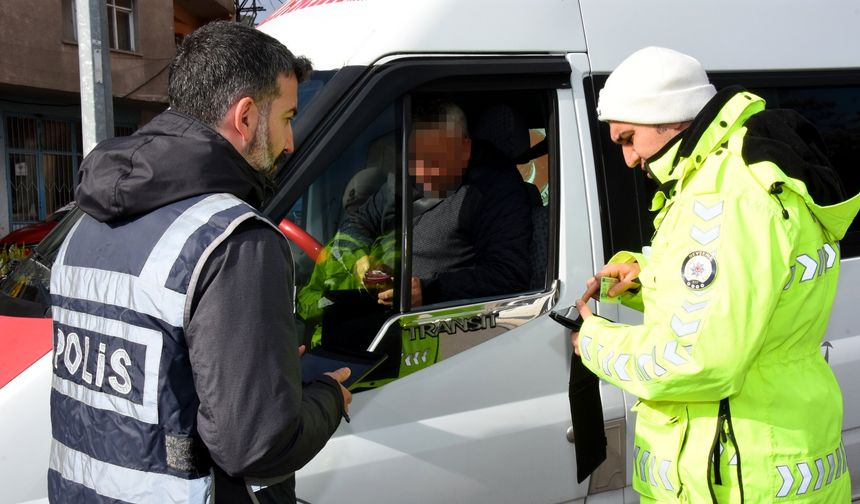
x=483, y=417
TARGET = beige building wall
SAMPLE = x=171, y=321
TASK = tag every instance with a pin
x=36, y=54
x=39, y=63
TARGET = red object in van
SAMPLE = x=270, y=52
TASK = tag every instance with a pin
x=300, y=237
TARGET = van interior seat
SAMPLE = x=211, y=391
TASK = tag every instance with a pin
x=506, y=128
x=378, y=166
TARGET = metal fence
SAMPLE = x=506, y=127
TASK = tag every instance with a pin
x=43, y=156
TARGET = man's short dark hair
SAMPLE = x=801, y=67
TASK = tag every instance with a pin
x=435, y=112
x=222, y=62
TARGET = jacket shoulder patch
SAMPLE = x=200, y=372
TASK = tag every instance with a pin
x=698, y=270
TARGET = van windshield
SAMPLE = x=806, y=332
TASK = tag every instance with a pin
x=310, y=89
x=25, y=292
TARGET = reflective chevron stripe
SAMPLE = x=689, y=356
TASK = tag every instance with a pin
x=844, y=458
x=694, y=307
x=831, y=255
x=651, y=471
x=647, y=467
x=620, y=367
x=642, y=462
x=707, y=213
x=804, y=478
x=827, y=256
x=705, y=237
x=670, y=354
x=606, y=364
x=787, y=480
x=819, y=464
x=803, y=467
x=664, y=475
x=640, y=366
x=635, y=456
x=584, y=342
x=684, y=329
x=809, y=267
x=838, y=462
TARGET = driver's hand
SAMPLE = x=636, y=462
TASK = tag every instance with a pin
x=361, y=267
x=386, y=297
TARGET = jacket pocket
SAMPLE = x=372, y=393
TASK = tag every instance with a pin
x=660, y=432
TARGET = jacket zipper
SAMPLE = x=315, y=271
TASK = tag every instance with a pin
x=724, y=419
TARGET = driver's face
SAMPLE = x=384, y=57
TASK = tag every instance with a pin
x=438, y=157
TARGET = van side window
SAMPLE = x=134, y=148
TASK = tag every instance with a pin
x=333, y=300
x=479, y=202
x=831, y=101
x=476, y=228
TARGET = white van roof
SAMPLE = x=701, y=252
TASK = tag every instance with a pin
x=336, y=33
x=730, y=35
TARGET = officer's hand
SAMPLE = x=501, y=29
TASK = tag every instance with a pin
x=361, y=267
x=626, y=273
x=585, y=312
x=386, y=297
x=340, y=376
x=301, y=351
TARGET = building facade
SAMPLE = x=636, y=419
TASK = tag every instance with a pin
x=40, y=107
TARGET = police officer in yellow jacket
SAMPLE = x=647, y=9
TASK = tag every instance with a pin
x=736, y=401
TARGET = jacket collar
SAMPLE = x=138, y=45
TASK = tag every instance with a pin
x=710, y=130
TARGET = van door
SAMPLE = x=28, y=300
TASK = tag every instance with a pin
x=471, y=404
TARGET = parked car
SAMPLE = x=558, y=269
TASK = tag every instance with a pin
x=484, y=417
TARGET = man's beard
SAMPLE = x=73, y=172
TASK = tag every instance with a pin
x=259, y=154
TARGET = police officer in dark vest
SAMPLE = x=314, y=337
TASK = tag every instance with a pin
x=176, y=370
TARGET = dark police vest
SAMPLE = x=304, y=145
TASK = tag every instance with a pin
x=123, y=403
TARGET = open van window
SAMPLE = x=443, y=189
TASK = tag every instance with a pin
x=484, y=238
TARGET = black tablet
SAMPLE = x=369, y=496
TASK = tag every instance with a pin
x=317, y=361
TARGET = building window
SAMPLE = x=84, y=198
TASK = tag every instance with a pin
x=121, y=23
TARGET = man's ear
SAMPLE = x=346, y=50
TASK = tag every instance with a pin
x=240, y=123
x=467, y=149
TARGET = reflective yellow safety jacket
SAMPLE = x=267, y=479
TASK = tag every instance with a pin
x=736, y=401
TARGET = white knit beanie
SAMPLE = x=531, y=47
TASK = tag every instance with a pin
x=655, y=85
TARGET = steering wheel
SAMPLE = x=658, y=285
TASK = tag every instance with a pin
x=300, y=237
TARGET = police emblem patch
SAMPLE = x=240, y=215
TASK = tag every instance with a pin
x=699, y=270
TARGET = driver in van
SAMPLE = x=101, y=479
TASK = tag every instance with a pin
x=471, y=214
x=736, y=402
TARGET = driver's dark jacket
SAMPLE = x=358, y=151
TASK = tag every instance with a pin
x=473, y=243
x=255, y=419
